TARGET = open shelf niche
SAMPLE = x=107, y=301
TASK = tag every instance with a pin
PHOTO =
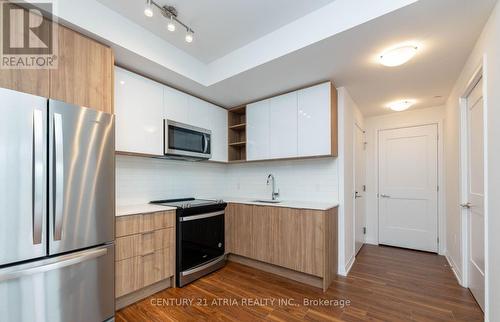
x=237, y=134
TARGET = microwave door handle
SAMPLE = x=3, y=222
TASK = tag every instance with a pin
x=38, y=169
x=58, y=193
x=205, y=141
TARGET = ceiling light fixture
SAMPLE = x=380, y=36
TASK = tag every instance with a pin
x=171, y=24
x=402, y=105
x=148, y=10
x=398, y=55
x=189, y=36
x=170, y=13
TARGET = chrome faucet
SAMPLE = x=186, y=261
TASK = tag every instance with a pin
x=276, y=193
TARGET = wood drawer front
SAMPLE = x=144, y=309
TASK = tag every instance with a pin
x=165, y=221
x=156, y=240
x=127, y=247
x=156, y=266
x=136, y=224
x=129, y=276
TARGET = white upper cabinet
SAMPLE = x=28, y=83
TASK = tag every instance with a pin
x=283, y=126
x=293, y=125
x=139, y=111
x=141, y=105
x=211, y=117
x=314, y=118
x=176, y=105
x=258, y=126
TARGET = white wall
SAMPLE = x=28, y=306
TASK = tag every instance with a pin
x=349, y=114
x=432, y=115
x=140, y=180
x=487, y=49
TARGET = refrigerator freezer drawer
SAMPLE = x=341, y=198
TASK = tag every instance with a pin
x=77, y=287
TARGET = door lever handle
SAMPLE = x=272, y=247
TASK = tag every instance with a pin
x=466, y=205
x=384, y=196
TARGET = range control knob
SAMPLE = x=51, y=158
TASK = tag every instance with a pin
x=220, y=245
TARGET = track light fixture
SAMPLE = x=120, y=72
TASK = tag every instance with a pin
x=148, y=10
x=170, y=13
x=189, y=35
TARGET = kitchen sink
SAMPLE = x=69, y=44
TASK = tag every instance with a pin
x=268, y=201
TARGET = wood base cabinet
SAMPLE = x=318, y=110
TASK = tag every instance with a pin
x=301, y=240
x=145, y=251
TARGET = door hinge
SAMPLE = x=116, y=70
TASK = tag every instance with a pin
x=438, y=188
x=364, y=230
x=364, y=188
x=438, y=240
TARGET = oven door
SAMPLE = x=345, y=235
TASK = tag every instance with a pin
x=201, y=239
x=186, y=140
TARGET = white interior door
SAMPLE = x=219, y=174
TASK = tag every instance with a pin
x=408, y=212
x=475, y=192
x=359, y=182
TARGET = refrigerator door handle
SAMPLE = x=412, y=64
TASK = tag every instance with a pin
x=58, y=194
x=38, y=171
x=51, y=264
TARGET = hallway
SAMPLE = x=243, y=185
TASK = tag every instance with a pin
x=385, y=284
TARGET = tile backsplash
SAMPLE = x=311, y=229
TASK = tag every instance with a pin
x=301, y=180
x=140, y=180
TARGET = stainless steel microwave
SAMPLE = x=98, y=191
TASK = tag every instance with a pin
x=187, y=142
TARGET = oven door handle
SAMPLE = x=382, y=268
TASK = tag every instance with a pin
x=202, y=216
x=204, y=266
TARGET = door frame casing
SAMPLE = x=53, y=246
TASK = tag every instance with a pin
x=358, y=127
x=464, y=178
x=441, y=227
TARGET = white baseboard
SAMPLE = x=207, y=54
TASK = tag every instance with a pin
x=455, y=268
x=371, y=242
x=348, y=266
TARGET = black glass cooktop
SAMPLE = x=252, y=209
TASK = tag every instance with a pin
x=186, y=202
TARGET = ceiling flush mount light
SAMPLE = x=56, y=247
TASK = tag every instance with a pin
x=402, y=105
x=398, y=55
x=189, y=36
x=148, y=10
x=170, y=13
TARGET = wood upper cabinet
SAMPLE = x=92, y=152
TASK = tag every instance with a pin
x=31, y=81
x=84, y=75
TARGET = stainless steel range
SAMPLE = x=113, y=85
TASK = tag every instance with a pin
x=199, y=236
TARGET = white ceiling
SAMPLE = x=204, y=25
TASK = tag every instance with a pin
x=447, y=30
x=220, y=26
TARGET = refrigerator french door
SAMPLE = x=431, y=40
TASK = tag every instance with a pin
x=56, y=210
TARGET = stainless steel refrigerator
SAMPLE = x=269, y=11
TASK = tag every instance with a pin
x=57, y=203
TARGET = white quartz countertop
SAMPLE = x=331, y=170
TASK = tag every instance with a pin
x=140, y=209
x=313, y=205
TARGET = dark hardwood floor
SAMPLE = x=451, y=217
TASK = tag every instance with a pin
x=385, y=284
